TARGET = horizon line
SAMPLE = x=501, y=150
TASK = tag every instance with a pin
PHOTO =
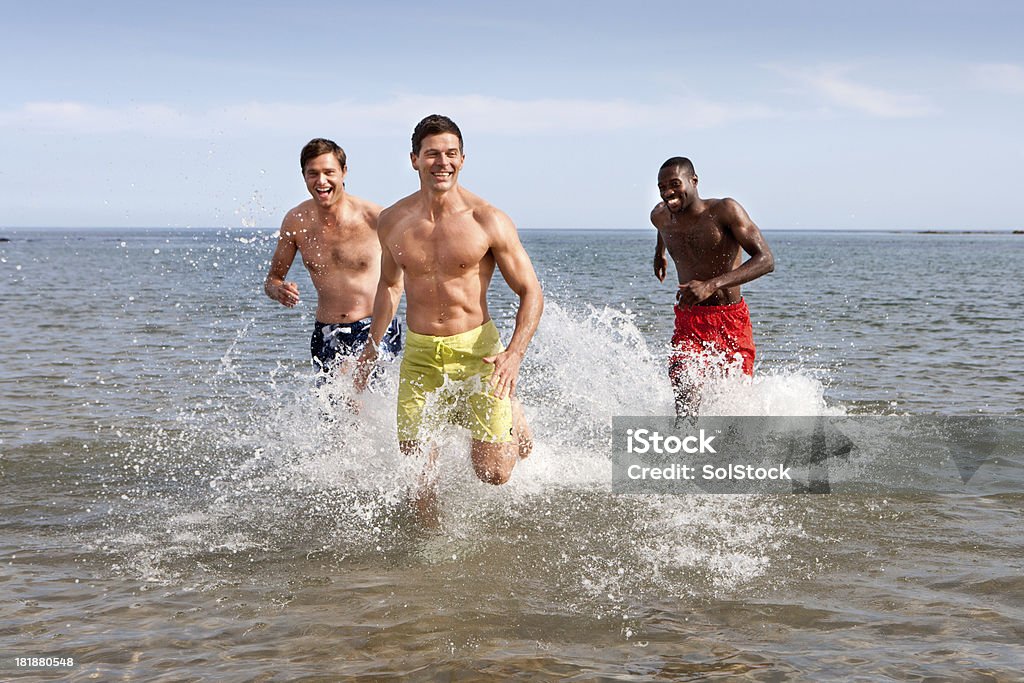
x=100, y=228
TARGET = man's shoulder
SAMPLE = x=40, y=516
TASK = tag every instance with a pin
x=396, y=211
x=726, y=211
x=494, y=225
x=364, y=207
x=360, y=213
x=490, y=216
x=485, y=214
x=722, y=204
x=302, y=209
x=659, y=214
x=299, y=216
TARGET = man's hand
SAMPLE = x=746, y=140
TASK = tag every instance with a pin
x=364, y=366
x=286, y=293
x=660, y=266
x=693, y=292
x=506, y=372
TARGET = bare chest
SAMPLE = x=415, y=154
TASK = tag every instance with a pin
x=340, y=250
x=698, y=239
x=425, y=249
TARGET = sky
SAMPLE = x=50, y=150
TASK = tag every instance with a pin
x=813, y=115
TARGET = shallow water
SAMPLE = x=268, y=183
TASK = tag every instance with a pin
x=177, y=501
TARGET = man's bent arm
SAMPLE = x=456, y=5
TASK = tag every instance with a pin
x=660, y=262
x=514, y=264
x=389, y=293
x=274, y=286
x=385, y=305
x=761, y=261
x=531, y=306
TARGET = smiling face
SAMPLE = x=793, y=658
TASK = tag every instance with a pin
x=438, y=162
x=677, y=187
x=325, y=176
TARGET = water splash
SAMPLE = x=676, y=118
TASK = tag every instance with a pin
x=274, y=464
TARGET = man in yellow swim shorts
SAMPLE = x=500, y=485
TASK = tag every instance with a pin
x=468, y=402
x=444, y=243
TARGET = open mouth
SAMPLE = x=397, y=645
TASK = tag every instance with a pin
x=323, y=192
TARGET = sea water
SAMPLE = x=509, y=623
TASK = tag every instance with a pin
x=179, y=501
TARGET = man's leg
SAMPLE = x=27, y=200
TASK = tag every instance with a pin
x=493, y=462
x=684, y=386
x=322, y=351
x=424, y=497
x=522, y=432
x=417, y=377
x=685, y=346
x=496, y=444
x=687, y=399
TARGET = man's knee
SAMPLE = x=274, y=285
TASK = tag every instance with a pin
x=493, y=462
x=494, y=476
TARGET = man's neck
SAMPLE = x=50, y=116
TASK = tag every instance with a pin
x=331, y=215
x=695, y=208
x=440, y=203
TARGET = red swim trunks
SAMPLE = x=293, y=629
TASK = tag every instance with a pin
x=715, y=329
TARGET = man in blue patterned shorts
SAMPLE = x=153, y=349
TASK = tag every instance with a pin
x=336, y=233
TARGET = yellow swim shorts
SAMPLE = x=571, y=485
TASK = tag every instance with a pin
x=451, y=372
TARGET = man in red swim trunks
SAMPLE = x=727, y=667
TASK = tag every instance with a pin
x=705, y=238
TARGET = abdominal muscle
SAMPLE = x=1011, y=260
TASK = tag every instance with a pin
x=441, y=309
x=342, y=299
x=723, y=297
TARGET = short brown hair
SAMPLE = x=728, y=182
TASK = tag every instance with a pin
x=318, y=146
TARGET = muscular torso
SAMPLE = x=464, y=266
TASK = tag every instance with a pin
x=447, y=264
x=701, y=247
x=343, y=259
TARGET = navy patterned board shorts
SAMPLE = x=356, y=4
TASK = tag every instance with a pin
x=331, y=340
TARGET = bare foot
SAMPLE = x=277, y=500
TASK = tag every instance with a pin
x=523, y=433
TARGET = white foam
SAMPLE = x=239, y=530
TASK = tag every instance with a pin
x=301, y=451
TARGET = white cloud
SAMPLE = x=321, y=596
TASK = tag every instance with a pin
x=1004, y=78
x=481, y=113
x=832, y=84
x=87, y=118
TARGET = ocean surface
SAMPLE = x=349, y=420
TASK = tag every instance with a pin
x=179, y=502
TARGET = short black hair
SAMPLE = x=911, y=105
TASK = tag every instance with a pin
x=435, y=124
x=681, y=163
